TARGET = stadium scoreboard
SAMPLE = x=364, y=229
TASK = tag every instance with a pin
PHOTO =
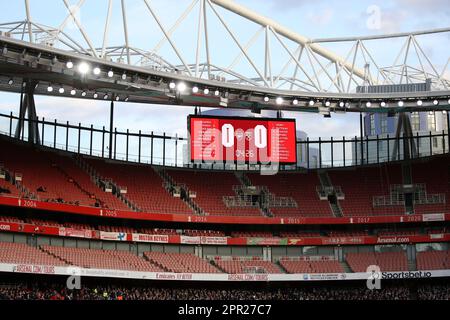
x=242, y=140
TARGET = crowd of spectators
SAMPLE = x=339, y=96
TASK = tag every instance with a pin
x=45, y=291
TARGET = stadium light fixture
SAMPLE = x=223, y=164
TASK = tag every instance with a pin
x=295, y=102
x=266, y=99
x=341, y=104
x=110, y=73
x=97, y=71
x=126, y=99
x=435, y=102
x=419, y=102
x=117, y=98
x=10, y=82
x=383, y=104
x=61, y=90
x=181, y=87
x=95, y=95
x=69, y=64
x=216, y=93
x=327, y=103
x=195, y=89
x=83, y=94
x=368, y=104
x=105, y=97
x=73, y=92
x=172, y=85
x=206, y=91
x=124, y=76
x=49, y=88
x=279, y=100
x=448, y=101
x=400, y=103
x=311, y=103
x=83, y=68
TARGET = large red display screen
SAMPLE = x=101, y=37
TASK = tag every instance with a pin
x=249, y=140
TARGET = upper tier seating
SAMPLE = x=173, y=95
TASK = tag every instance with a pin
x=144, y=187
x=84, y=182
x=435, y=176
x=8, y=189
x=387, y=261
x=56, y=177
x=299, y=186
x=210, y=188
x=180, y=262
x=362, y=184
x=40, y=176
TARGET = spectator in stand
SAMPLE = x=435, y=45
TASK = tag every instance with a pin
x=45, y=291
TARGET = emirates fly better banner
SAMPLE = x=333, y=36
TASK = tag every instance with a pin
x=242, y=140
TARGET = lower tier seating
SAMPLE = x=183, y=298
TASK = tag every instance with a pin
x=387, y=261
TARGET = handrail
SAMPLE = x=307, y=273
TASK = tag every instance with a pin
x=172, y=151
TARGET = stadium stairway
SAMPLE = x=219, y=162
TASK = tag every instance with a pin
x=245, y=181
x=412, y=265
x=346, y=267
x=278, y=264
x=325, y=182
x=170, y=184
x=87, y=168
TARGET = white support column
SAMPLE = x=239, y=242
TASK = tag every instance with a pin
x=30, y=32
x=205, y=24
x=125, y=31
x=106, y=32
x=199, y=37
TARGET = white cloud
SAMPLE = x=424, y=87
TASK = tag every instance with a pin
x=321, y=18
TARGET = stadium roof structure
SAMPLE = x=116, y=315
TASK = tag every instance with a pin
x=312, y=78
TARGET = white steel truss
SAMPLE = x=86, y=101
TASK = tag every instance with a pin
x=272, y=57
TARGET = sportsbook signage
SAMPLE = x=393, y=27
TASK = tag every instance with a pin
x=57, y=270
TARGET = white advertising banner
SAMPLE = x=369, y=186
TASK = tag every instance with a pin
x=56, y=270
x=139, y=237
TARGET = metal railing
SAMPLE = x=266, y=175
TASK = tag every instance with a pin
x=173, y=151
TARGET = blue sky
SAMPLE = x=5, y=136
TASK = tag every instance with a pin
x=314, y=19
